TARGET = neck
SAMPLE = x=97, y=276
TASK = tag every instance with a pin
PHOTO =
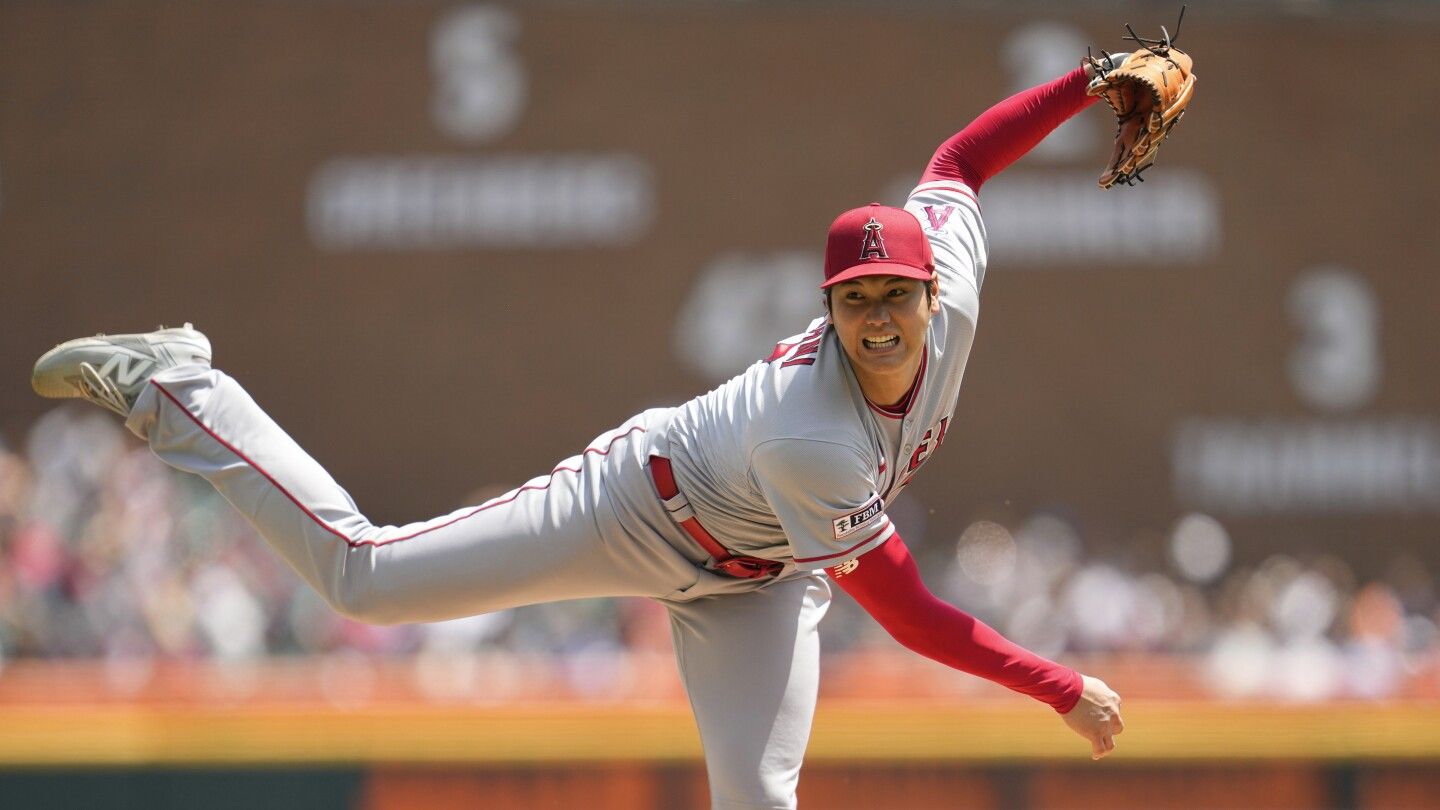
x=888, y=390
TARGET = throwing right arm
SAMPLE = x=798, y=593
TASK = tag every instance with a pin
x=886, y=582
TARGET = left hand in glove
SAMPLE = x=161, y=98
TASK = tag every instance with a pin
x=1148, y=90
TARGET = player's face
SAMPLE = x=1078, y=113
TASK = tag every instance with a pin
x=882, y=323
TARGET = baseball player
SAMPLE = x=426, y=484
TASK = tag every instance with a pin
x=736, y=509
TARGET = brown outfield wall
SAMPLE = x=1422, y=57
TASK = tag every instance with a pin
x=447, y=245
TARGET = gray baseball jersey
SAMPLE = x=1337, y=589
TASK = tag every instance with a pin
x=789, y=461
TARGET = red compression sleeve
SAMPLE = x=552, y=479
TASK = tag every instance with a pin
x=1005, y=132
x=887, y=584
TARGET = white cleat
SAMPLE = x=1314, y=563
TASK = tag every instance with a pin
x=112, y=370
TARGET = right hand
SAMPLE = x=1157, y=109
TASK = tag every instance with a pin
x=1096, y=716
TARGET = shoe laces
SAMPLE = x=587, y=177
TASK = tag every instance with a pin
x=102, y=391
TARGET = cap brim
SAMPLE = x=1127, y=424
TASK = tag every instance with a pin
x=879, y=269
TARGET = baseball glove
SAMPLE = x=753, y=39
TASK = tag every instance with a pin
x=1148, y=90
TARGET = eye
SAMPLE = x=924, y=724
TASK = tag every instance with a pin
x=897, y=292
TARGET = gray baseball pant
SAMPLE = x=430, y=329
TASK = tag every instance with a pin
x=748, y=653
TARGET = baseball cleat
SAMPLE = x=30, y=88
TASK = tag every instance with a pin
x=112, y=370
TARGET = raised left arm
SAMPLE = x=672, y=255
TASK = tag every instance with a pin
x=1006, y=131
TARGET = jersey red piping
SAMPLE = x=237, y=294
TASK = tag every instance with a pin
x=356, y=543
x=883, y=411
x=939, y=185
x=888, y=526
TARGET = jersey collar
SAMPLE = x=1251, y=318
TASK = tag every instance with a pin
x=899, y=409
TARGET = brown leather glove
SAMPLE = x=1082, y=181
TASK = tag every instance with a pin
x=1148, y=91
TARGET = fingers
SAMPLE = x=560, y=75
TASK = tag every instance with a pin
x=1096, y=717
x=1107, y=739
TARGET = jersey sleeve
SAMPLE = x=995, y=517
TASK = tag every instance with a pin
x=886, y=582
x=949, y=213
x=824, y=495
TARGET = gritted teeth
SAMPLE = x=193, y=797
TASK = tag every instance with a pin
x=882, y=342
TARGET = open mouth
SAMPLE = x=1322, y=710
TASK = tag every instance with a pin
x=886, y=342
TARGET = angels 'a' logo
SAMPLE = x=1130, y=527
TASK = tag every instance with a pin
x=873, y=245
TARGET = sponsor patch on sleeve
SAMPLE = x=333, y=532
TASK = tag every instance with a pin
x=854, y=520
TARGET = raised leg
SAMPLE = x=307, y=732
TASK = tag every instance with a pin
x=556, y=537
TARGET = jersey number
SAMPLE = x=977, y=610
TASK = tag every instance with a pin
x=922, y=451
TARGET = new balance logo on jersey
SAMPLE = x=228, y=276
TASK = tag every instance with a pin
x=855, y=520
x=872, y=246
x=124, y=369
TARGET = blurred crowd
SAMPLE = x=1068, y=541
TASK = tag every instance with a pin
x=107, y=554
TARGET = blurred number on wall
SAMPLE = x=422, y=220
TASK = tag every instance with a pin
x=1037, y=53
x=480, y=85
x=741, y=306
x=480, y=197
x=1054, y=215
x=1358, y=462
x=1335, y=365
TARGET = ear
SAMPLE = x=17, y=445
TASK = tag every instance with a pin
x=934, y=295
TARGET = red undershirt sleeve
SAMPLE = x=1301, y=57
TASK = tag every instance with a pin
x=887, y=584
x=1005, y=132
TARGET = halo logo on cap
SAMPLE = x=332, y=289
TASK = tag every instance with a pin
x=872, y=245
x=877, y=240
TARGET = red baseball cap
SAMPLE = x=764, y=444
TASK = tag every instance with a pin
x=877, y=240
